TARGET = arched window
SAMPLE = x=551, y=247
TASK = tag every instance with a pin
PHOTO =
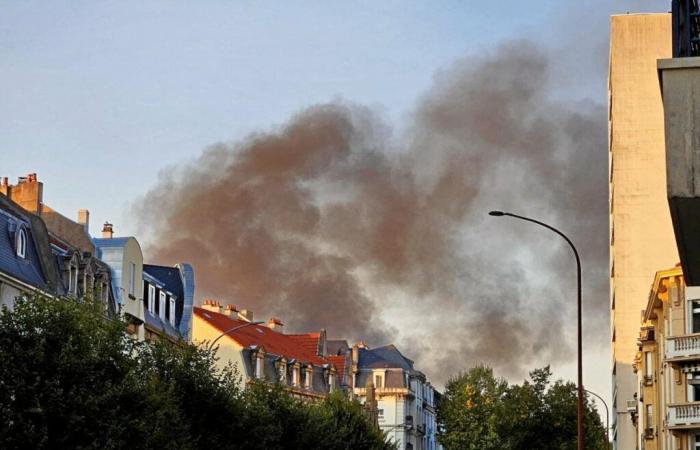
x=21, y=242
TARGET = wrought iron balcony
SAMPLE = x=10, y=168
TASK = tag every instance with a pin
x=682, y=348
x=683, y=415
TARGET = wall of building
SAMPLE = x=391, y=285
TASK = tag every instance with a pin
x=8, y=294
x=641, y=238
x=229, y=351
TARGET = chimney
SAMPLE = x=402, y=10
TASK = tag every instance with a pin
x=274, y=323
x=84, y=219
x=28, y=192
x=246, y=315
x=107, y=230
x=211, y=305
x=231, y=311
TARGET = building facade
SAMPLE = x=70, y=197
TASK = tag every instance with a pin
x=406, y=406
x=641, y=234
x=264, y=352
x=667, y=409
x=168, y=293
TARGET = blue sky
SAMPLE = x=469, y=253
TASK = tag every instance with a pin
x=98, y=97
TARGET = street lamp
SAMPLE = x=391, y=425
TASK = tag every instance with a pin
x=607, y=417
x=231, y=330
x=579, y=415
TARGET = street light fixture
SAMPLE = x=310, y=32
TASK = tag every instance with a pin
x=579, y=409
x=231, y=330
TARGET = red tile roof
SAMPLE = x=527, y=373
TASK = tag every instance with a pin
x=307, y=341
x=273, y=342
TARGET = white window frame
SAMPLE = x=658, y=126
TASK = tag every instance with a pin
x=161, y=305
x=171, y=311
x=21, y=242
x=308, y=377
x=151, y=299
x=295, y=375
x=378, y=376
x=282, y=372
x=648, y=366
x=331, y=382
x=259, y=358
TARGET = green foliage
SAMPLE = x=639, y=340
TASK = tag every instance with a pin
x=70, y=378
x=479, y=411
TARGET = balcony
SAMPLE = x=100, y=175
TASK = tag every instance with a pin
x=683, y=415
x=683, y=348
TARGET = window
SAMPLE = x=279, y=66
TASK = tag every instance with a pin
x=380, y=413
x=283, y=371
x=695, y=316
x=308, y=377
x=648, y=367
x=259, y=366
x=171, y=311
x=378, y=381
x=331, y=382
x=132, y=278
x=295, y=375
x=649, y=419
x=161, y=306
x=21, y=243
x=694, y=387
x=696, y=442
x=151, y=299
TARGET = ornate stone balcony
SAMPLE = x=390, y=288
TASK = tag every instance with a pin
x=682, y=348
x=683, y=415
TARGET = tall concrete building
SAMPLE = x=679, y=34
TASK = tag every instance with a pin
x=641, y=234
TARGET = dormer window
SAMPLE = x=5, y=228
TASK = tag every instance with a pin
x=151, y=299
x=161, y=306
x=172, y=311
x=308, y=376
x=295, y=375
x=259, y=360
x=21, y=243
x=282, y=370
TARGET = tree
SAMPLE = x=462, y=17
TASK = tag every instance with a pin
x=468, y=411
x=70, y=378
x=517, y=417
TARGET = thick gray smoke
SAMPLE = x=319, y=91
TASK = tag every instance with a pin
x=335, y=221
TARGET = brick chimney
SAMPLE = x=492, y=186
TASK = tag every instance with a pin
x=231, y=311
x=84, y=219
x=246, y=315
x=107, y=230
x=212, y=305
x=28, y=192
x=274, y=323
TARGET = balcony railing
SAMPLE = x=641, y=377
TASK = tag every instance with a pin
x=684, y=415
x=683, y=347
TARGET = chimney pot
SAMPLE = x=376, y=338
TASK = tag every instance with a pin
x=275, y=324
x=107, y=230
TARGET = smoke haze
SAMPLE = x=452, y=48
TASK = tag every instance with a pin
x=336, y=220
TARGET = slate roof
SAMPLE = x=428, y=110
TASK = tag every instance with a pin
x=257, y=335
x=39, y=267
x=156, y=323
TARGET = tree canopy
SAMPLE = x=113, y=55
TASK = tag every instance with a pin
x=481, y=411
x=70, y=378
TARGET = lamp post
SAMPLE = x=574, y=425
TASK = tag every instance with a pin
x=579, y=410
x=607, y=417
x=231, y=330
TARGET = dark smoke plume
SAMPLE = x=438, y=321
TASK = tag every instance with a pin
x=335, y=221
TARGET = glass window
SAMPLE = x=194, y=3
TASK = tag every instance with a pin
x=648, y=365
x=21, y=243
x=151, y=299
x=378, y=381
x=650, y=416
x=171, y=311
x=161, y=306
x=259, y=367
